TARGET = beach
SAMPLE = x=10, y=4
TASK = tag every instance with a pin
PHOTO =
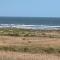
x=29, y=30
x=29, y=44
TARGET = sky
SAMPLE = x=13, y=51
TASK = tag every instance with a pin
x=30, y=8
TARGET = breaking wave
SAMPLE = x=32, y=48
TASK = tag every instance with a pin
x=29, y=26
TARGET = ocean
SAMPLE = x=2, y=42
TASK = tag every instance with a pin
x=30, y=22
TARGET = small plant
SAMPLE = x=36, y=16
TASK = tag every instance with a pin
x=23, y=38
x=51, y=36
x=43, y=34
x=29, y=41
x=26, y=49
x=49, y=50
x=26, y=35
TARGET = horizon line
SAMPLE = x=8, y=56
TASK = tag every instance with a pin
x=31, y=16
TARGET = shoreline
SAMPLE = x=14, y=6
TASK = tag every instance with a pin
x=34, y=27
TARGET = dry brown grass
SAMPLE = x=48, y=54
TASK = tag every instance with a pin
x=26, y=56
x=45, y=40
x=36, y=41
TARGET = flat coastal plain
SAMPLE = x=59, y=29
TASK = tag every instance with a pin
x=24, y=44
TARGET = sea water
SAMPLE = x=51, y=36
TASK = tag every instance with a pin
x=30, y=22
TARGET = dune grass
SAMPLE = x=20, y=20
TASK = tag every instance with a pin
x=31, y=49
x=29, y=33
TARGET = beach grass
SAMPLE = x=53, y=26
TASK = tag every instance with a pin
x=28, y=44
x=29, y=32
x=31, y=49
x=23, y=40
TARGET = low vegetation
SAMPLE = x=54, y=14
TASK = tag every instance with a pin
x=28, y=33
x=29, y=45
x=31, y=49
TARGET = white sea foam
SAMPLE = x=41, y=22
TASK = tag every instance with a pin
x=29, y=26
